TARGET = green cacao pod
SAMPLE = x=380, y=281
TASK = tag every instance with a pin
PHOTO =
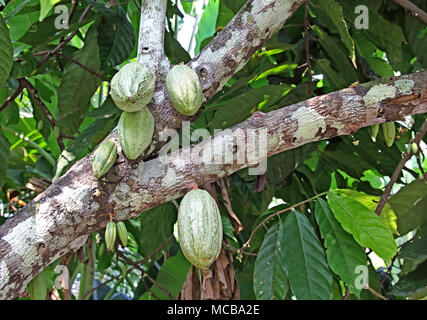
x=110, y=235
x=184, y=89
x=374, y=131
x=389, y=131
x=37, y=288
x=135, y=132
x=123, y=233
x=414, y=147
x=133, y=87
x=104, y=158
x=199, y=228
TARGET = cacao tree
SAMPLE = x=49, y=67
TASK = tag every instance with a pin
x=279, y=146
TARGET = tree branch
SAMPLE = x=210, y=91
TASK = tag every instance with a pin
x=413, y=9
x=59, y=219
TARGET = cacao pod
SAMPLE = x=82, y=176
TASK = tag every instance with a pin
x=135, y=132
x=104, y=158
x=374, y=131
x=199, y=228
x=414, y=148
x=37, y=288
x=110, y=235
x=123, y=233
x=133, y=87
x=389, y=131
x=184, y=89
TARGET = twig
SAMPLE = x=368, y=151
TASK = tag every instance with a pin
x=84, y=67
x=12, y=97
x=413, y=9
x=63, y=43
x=399, y=168
x=33, y=92
x=227, y=205
x=374, y=292
x=307, y=50
x=277, y=214
x=231, y=248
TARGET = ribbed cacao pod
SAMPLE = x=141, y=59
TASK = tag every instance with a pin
x=37, y=288
x=123, y=233
x=374, y=131
x=184, y=89
x=135, y=132
x=104, y=158
x=389, y=131
x=110, y=235
x=199, y=228
x=133, y=87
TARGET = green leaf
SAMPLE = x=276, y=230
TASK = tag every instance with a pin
x=89, y=138
x=174, y=51
x=45, y=7
x=156, y=226
x=334, y=11
x=270, y=278
x=4, y=157
x=366, y=227
x=410, y=206
x=366, y=49
x=343, y=253
x=305, y=260
x=207, y=23
x=416, y=249
x=78, y=85
x=116, y=40
x=224, y=15
x=171, y=276
x=6, y=52
x=371, y=202
x=413, y=282
x=335, y=80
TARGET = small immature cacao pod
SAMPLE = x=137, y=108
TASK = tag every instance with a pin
x=104, y=158
x=199, y=228
x=37, y=288
x=123, y=233
x=132, y=87
x=414, y=147
x=184, y=89
x=389, y=131
x=135, y=132
x=374, y=131
x=110, y=235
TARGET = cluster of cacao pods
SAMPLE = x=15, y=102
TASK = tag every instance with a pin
x=132, y=88
x=199, y=228
x=112, y=230
x=389, y=132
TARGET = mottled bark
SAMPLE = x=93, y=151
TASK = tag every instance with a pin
x=60, y=218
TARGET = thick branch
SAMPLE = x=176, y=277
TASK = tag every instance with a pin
x=413, y=9
x=60, y=218
x=151, y=36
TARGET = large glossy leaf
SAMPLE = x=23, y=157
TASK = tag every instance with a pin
x=371, y=202
x=45, y=7
x=78, y=85
x=171, y=276
x=6, y=52
x=343, y=253
x=207, y=23
x=366, y=227
x=270, y=278
x=305, y=260
x=416, y=249
x=410, y=206
x=334, y=11
x=116, y=40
